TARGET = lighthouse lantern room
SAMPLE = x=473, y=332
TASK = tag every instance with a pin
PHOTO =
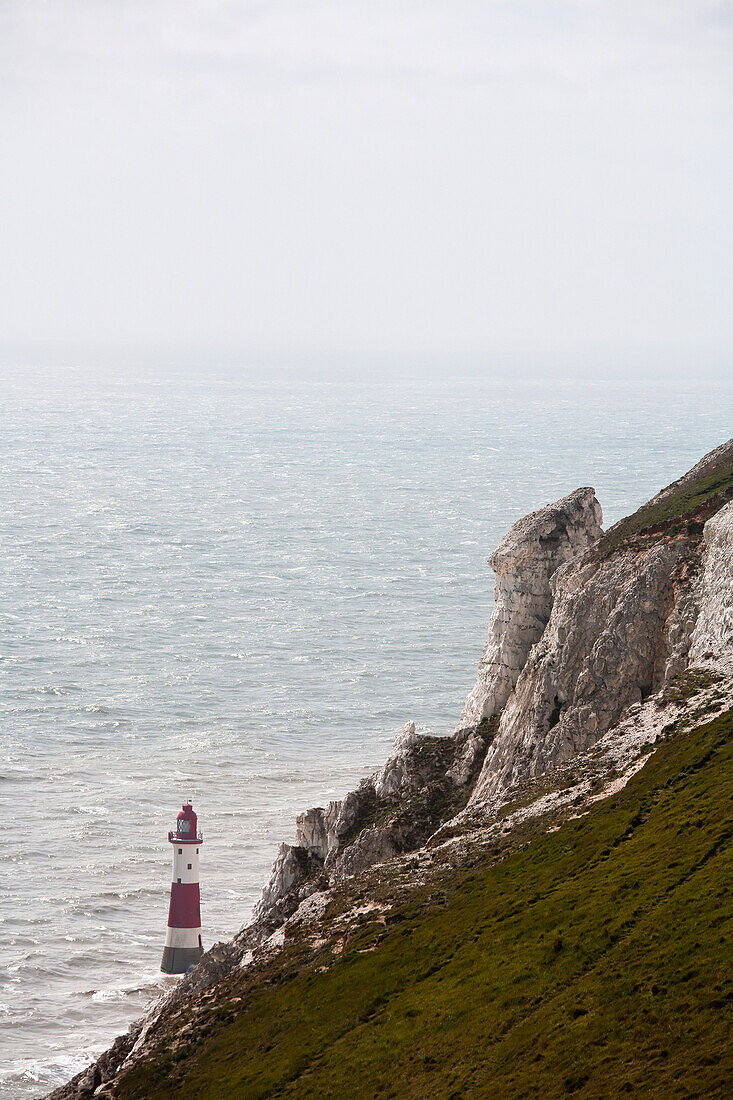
x=183, y=947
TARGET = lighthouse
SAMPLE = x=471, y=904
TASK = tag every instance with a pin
x=183, y=947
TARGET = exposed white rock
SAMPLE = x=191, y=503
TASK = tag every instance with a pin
x=524, y=563
x=604, y=648
x=370, y=847
x=681, y=622
x=290, y=868
x=712, y=638
x=396, y=772
x=316, y=829
x=467, y=760
x=599, y=772
x=277, y=939
x=408, y=736
x=311, y=908
x=620, y=623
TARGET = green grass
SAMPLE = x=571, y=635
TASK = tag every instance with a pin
x=686, y=507
x=595, y=962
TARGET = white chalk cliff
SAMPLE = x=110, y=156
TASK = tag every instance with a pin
x=712, y=637
x=524, y=563
x=624, y=614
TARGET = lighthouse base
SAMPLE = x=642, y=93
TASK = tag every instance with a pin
x=177, y=960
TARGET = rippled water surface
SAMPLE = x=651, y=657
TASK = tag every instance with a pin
x=239, y=590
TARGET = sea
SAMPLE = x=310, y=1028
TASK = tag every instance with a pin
x=236, y=586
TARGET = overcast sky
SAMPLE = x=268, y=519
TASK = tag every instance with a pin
x=439, y=180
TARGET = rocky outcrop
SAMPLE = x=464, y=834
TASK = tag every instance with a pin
x=604, y=648
x=348, y=836
x=294, y=866
x=425, y=781
x=316, y=829
x=524, y=563
x=399, y=772
x=93, y=1079
x=712, y=638
x=627, y=614
x=325, y=925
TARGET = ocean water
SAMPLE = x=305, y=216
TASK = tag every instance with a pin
x=222, y=586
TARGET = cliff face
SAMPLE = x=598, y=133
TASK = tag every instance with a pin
x=588, y=669
x=712, y=636
x=605, y=647
x=525, y=562
x=624, y=615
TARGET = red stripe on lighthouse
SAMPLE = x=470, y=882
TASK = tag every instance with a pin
x=185, y=906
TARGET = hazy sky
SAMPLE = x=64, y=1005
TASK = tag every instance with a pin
x=438, y=180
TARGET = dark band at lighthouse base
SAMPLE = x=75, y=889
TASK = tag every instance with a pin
x=177, y=960
x=183, y=949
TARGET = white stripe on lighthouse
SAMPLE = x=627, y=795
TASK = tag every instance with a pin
x=182, y=937
x=183, y=854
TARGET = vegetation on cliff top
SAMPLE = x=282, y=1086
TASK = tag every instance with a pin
x=596, y=961
x=686, y=505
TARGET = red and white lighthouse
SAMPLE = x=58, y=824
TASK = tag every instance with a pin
x=183, y=947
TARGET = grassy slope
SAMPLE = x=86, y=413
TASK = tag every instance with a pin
x=596, y=961
x=687, y=504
